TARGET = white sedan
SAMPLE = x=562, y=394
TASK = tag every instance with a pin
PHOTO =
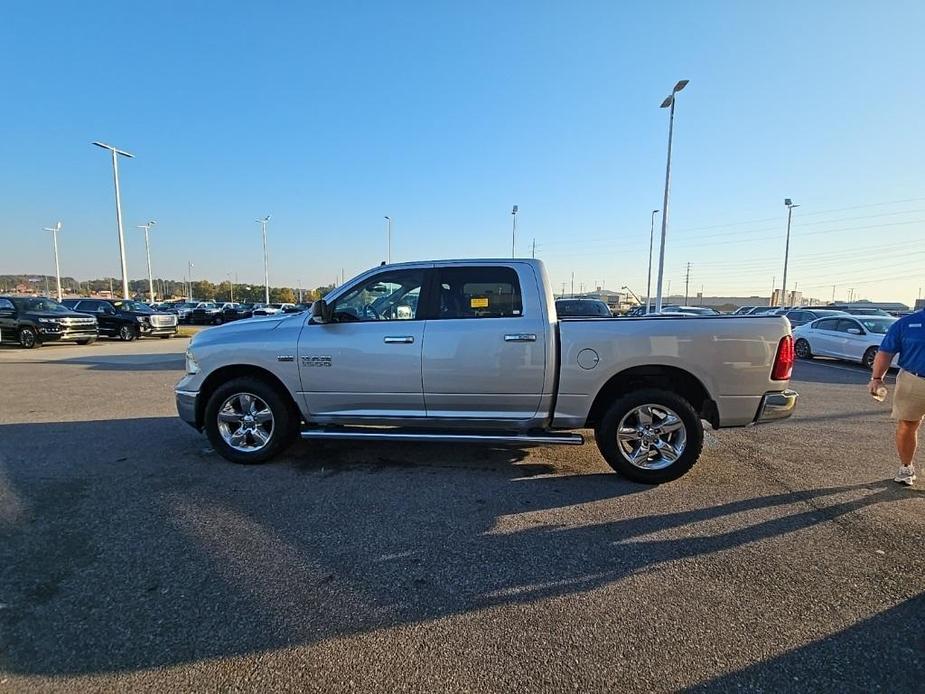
x=855, y=338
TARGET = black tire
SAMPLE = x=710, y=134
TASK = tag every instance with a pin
x=802, y=349
x=166, y=337
x=868, y=359
x=127, y=333
x=28, y=339
x=606, y=435
x=285, y=425
x=87, y=341
x=217, y=321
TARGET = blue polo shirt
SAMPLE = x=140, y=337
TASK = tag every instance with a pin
x=907, y=338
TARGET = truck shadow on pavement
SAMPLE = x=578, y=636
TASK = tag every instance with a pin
x=118, y=556
x=118, y=362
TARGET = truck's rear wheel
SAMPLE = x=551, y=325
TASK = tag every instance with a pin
x=248, y=421
x=650, y=436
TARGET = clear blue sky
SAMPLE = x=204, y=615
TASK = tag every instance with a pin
x=443, y=115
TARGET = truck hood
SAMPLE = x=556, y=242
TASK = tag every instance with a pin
x=58, y=314
x=229, y=331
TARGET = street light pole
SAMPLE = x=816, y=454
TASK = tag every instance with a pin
x=147, y=227
x=266, y=263
x=649, y=276
x=783, y=291
x=115, y=177
x=189, y=279
x=668, y=102
x=54, y=234
x=514, y=230
x=388, y=257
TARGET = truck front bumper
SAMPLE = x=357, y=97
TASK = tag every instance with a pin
x=776, y=405
x=186, y=406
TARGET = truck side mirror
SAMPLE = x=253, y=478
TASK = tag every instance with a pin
x=321, y=311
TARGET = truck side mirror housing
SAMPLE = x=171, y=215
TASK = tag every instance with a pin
x=321, y=311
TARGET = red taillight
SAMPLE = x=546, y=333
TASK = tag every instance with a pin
x=783, y=362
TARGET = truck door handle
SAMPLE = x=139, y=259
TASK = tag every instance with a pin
x=520, y=337
x=393, y=340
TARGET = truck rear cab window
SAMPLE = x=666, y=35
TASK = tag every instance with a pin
x=478, y=292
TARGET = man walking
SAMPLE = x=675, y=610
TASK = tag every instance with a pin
x=905, y=337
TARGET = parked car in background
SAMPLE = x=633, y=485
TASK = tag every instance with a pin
x=271, y=309
x=859, y=310
x=802, y=316
x=212, y=313
x=585, y=308
x=126, y=319
x=297, y=308
x=854, y=338
x=743, y=310
x=182, y=310
x=237, y=312
x=32, y=321
x=692, y=310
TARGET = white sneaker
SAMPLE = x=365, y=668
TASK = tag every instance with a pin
x=906, y=475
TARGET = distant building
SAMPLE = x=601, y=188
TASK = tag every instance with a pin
x=919, y=304
x=889, y=306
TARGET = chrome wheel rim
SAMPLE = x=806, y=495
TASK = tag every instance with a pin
x=651, y=437
x=245, y=422
x=124, y=333
x=26, y=338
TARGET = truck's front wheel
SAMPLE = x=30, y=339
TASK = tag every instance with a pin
x=248, y=421
x=650, y=436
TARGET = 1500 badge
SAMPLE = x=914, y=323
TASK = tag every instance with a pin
x=317, y=361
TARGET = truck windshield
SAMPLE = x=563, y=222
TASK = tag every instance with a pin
x=133, y=306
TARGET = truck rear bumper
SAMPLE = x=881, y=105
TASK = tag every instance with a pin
x=776, y=405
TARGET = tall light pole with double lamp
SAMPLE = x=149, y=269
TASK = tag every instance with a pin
x=54, y=235
x=388, y=232
x=649, y=276
x=514, y=230
x=783, y=291
x=147, y=228
x=266, y=262
x=667, y=103
x=116, y=153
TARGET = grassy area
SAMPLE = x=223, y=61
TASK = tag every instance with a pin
x=188, y=330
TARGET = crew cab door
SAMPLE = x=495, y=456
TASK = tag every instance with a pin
x=366, y=363
x=485, y=344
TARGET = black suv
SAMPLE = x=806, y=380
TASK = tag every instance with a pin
x=31, y=321
x=126, y=319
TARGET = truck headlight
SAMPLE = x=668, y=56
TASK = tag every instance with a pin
x=192, y=366
x=48, y=321
x=141, y=319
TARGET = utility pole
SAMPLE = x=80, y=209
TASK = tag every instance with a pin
x=147, y=227
x=54, y=234
x=533, y=252
x=563, y=290
x=649, y=276
x=687, y=281
x=669, y=291
x=773, y=288
x=668, y=102
x=513, y=230
x=47, y=290
x=111, y=295
x=115, y=177
x=573, y=284
x=701, y=295
x=189, y=277
x=266, y=263
x=833, y=293
x=388, y=257
x=783, y=291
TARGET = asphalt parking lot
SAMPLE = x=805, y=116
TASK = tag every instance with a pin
x=134, y=558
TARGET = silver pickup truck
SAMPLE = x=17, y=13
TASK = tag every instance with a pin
x=472, y=351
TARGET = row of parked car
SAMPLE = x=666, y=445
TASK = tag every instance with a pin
x=217, y=312
x=32, y=321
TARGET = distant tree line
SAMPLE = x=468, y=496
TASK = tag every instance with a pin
x=203, y=290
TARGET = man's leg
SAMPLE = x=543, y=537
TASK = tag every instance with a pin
x=906, y=440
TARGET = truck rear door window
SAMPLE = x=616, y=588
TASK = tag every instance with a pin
x=478, y=292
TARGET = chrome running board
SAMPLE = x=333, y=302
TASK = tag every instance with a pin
x=384, y=434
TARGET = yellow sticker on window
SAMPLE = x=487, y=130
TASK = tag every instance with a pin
x=478, y=302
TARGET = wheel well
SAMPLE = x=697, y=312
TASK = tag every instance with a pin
x=226, y=373
x=668, y=378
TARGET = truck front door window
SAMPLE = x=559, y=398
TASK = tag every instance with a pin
x=389, y=296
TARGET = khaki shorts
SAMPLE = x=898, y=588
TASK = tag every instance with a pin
x=909, y=398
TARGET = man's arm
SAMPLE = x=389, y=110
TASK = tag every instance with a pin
x=881, y=364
